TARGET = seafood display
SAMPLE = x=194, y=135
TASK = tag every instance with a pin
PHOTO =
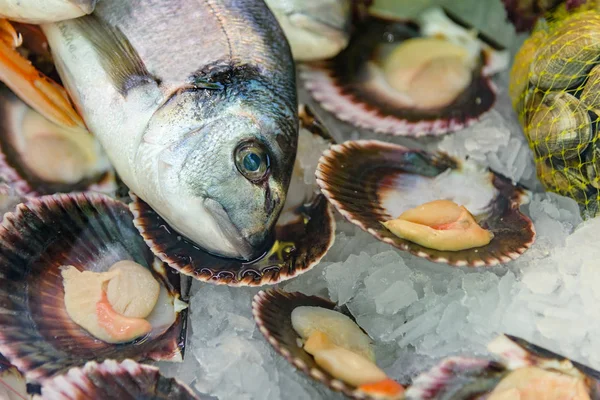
x=334, y=351
x=553, y=86
x=149, y=148
x=425, y=77
x=126, y=380
x=526, y=371
x=387, y=181
x=154, y=103
x=315, y=29
x=41, y=329
x=303, y=233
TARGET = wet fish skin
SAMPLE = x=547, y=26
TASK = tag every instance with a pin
x=315, y=29
x=172, y=105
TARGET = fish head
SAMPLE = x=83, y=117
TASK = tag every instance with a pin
x=315, y=29
x=225, y=183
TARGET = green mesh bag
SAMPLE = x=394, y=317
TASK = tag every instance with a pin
x=555, y=88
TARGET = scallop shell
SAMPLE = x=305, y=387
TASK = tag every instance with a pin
x=370, y=181
x=126, y=380
x=13, y=168
x=88, y=231
x=349, y=86
x=303, y=235
x=272, y=310
x=457, y=377
x=462, y=378
x=517, y=352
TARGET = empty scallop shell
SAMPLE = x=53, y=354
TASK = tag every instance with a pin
x=78, y=162
x=90, y=232
x=304, y=233
x=272, y=310
x=472, y=378
x=352, y=86
x=126, y=380
x=370, y=182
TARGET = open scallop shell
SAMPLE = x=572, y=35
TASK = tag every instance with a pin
x=126, y=380
x=369, y=182
x=90, y=232
x=20, y=124
x=272, y=310
x=304, y=232
x=516, y=352
x=351, y=85
x=472, y=378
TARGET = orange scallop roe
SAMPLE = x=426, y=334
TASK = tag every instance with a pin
x=387, y=387
x=120, y=327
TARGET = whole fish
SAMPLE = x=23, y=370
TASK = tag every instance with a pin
x=315, y=29
x=195, y=104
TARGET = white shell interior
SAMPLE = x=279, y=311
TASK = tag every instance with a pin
x=469, y=186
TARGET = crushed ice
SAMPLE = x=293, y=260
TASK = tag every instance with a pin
x=417, y=312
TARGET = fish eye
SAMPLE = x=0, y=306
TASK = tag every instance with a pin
x=252, y=160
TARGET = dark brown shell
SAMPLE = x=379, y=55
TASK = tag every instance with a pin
x=341, y=86
x=309, y=239
x=352, y=174
x=89, y=232
x=13, y=169
x=272, y=310
x=126, y=380
x=305, y=240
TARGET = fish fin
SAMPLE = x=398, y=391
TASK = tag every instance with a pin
x=117, y=56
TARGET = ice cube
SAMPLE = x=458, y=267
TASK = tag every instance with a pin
x=396, y=297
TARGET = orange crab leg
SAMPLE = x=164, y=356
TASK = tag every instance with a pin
x=34, y=88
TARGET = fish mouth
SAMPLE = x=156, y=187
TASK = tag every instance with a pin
x=246, y=250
